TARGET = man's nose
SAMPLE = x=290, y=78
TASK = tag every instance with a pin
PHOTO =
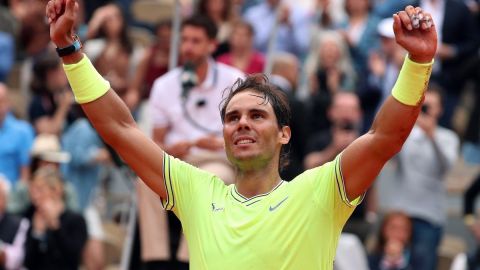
x=243, y=122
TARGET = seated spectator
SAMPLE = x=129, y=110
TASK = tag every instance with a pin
x=57, y=236
x=294, y=22
x=242, y=55
x=360, y=32
x=345, y=118
x=423, y=164
x=14, y=155
x=49, y=109
x=221, y=13
x=392, y=251
x=46, y=152
x=13, y=233
x=110, y=47
x=329, y=71
x=153, y=64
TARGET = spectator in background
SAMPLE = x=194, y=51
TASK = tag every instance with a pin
x=16, y=137
x=110, y=47
x=293, y=34
x=423, y=163
x=153, y=64
x=49, y=109
x=13, y=232
x=57, y=236
x=384, y=65
x=393, y=248
x=285, y=75
x=242, y=54
x=89, y=157
x=45, y=152
x=221, y=12
x=360, y=32
x=186, y=122
x=34, y=33
x=345, y=118
x=329, y=71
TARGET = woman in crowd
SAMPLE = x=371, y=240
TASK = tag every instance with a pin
x=57, y=236
x=393, y=248
x=242, y=54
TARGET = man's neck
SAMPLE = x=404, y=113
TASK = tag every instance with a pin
x=254, y=182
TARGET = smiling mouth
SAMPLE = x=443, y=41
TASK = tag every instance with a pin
x=244, y=142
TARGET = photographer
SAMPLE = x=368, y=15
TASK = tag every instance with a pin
x=427, y=155
x=345, y=117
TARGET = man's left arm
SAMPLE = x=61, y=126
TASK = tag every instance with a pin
x=362, y=161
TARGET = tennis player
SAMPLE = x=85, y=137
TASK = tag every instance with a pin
x=261, y=221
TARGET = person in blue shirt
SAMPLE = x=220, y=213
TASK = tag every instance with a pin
x=14, y=155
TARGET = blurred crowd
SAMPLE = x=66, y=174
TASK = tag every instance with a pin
x=335, y=60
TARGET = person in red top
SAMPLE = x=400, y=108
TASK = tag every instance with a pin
x=242, y=55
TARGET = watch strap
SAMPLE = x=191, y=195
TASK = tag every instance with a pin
x=74, y=47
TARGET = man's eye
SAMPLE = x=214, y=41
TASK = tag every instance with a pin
x=257, y=116
x=232, y=118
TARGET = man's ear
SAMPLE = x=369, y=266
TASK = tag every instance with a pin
x=285, y=135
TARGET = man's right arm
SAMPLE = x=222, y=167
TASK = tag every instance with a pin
x=105, y=110
x=113, y=121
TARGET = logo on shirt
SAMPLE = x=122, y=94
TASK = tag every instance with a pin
x=216, y=208
x=273, y=208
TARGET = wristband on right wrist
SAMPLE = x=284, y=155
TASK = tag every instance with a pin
x=412, y=82
x=87, y=84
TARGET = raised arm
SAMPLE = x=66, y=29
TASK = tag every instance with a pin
x=105, y=110
x=362, y=160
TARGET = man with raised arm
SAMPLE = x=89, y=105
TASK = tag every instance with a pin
x=261, y=221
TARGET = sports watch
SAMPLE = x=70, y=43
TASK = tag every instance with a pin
x=74, y=47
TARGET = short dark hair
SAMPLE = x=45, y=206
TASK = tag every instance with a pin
x=204, y=22
x=271, y=94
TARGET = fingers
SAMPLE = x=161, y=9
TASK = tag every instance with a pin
x=71, y=7
x=414, y=18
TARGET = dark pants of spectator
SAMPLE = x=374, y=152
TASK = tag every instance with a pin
x=425, y=242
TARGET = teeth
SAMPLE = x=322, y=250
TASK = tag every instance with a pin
x=245, y=142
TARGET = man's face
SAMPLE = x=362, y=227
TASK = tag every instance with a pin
x=251, y=133
x=4, y=105
x=195, y=46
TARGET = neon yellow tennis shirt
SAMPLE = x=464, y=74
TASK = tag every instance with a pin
x=294, y=226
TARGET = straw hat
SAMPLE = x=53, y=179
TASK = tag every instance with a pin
x=47, y=147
